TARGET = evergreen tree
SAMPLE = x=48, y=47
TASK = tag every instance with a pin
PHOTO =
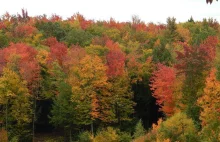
x=139, y=130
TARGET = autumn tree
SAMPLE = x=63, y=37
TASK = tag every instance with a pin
x=24, y=31
x=79, y=21
x=210, y=114
x=57, y=53
x=162, y=85
x=13, y=95
x=25, y=64
x=115, y=60
x=89, y=82
x=194, y=63
x=50, y=41
x=21, y=59
x=135, y=69
x=120, y=89
x=177, y=128
x=97, y=50
x=74, y=55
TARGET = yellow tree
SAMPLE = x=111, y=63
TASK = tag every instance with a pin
x=210, y=104
x=89, y=87
x=15, y=99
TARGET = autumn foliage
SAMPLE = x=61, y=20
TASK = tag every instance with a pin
x=115, y=59
x=88, y=80
x=210, y=100
x=162, y=83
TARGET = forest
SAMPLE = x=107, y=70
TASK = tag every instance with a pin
x=107, y=81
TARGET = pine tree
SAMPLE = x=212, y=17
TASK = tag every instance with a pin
x=139, y=130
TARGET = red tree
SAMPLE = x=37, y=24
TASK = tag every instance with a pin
x=73, y=57
x=24, y=30
x=115, y=59
x=162, y=83
x=50, y=41
x=25, y=63
x=58, y=52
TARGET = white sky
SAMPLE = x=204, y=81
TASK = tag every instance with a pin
x=121, y=10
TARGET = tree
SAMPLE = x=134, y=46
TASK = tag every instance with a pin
x=13, y=95
x=97, y=50
x=78, y=37
x=121, y=99
x=62, y=112
x=4, y=40
x=200, y=32
x=89, y=81
x=139, y=130
x=115, y=60
x=194, y=63
x=162, y=85
x=24, y=31
x=79, y=21
x=24, y=62
x=108, y=134
x=50, y=41
x=122, y=104
x=21, y=59
x=51, y=29
x=73, y=57
x=161, y=54
x=58, y=52
x=177, y=128
x=210, y=114
x=171, y=33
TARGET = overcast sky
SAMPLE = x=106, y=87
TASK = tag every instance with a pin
x=120, y=10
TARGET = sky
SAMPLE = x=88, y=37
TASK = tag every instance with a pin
x=155, y=11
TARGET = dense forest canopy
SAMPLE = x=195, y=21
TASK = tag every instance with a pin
x=86, y=80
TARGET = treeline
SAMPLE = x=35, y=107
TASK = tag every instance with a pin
x=100, y=77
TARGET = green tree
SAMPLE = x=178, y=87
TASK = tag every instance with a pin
x=171, y=33
x=52, y=29
x=109, y=134
x=139, y=130
x=62, y=112
x=161, y=54
x=78, y=36
x=4, y=40
x=121, y=99
x=177, y=128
